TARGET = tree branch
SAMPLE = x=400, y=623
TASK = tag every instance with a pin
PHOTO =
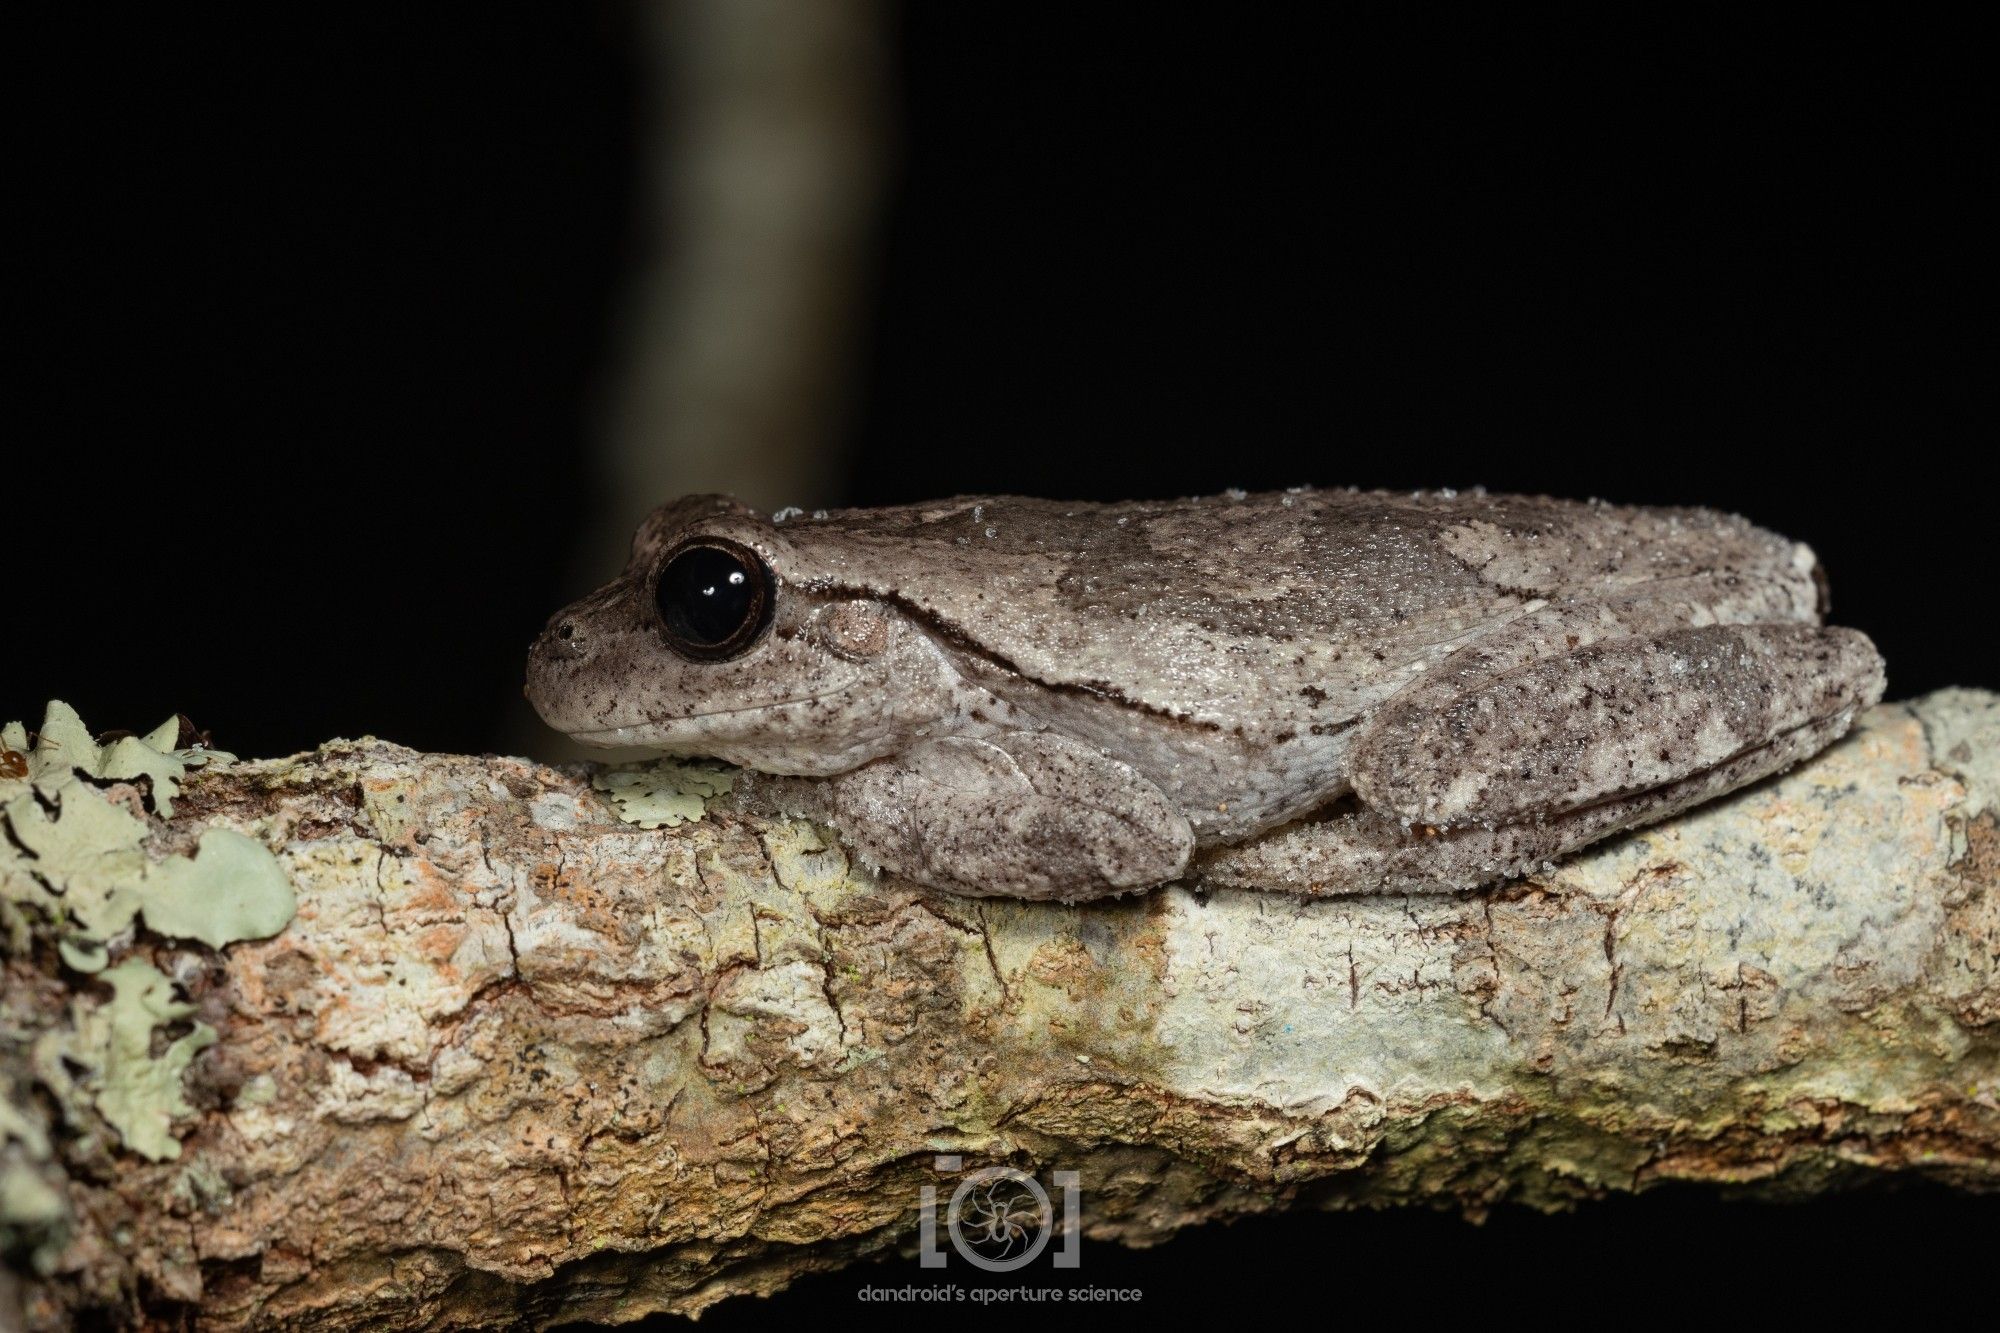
x=514, y=1059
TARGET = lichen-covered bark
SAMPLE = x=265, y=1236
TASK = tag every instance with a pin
x=517, y=1060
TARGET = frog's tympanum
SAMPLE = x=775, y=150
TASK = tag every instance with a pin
x=1059, y=700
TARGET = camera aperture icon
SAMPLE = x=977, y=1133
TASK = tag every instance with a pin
x=1000, y=1219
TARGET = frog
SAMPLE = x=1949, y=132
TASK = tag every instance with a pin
x=1315, y=692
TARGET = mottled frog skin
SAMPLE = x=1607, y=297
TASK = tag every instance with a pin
x=1310, y=692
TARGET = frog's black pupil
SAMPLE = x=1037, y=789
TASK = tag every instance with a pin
x=709, y=595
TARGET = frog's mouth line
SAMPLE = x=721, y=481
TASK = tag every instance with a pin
x=621, y=735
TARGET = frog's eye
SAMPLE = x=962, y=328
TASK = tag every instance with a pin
x=715, y=599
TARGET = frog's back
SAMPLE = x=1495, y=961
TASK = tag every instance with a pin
x=1220, y=608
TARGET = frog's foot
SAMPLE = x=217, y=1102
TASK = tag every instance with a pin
x=1023, y=815
x=1360, y=850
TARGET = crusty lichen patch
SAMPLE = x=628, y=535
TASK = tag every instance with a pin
x=663, y=793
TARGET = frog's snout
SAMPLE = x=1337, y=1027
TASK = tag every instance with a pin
x=565, y=645
x=565, y=661
x=561, y=647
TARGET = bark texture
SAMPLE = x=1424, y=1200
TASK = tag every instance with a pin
x=515, y=1060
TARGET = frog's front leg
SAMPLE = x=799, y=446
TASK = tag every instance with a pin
x=1021, y=814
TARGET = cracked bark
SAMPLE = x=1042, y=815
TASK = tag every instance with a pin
x=515, y=1061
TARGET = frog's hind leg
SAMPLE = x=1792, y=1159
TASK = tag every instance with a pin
x=1624, y=717
x=1479, y=773
x=1359, y=850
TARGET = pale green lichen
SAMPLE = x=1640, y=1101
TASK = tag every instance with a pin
x=663, y=793
x=76, y=856
x=73, y=869
x=30, y=1206
x=64, y=748
x=137, y=1092
x=28, y=1200
x=18, y=1128
x=231, y=890
x=62, y=744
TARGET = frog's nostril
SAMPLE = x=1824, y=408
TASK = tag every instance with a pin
x=565, y=638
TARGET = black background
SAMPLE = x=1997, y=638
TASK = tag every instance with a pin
x=313, y=309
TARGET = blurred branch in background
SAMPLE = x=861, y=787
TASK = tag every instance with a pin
x=764, y=160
